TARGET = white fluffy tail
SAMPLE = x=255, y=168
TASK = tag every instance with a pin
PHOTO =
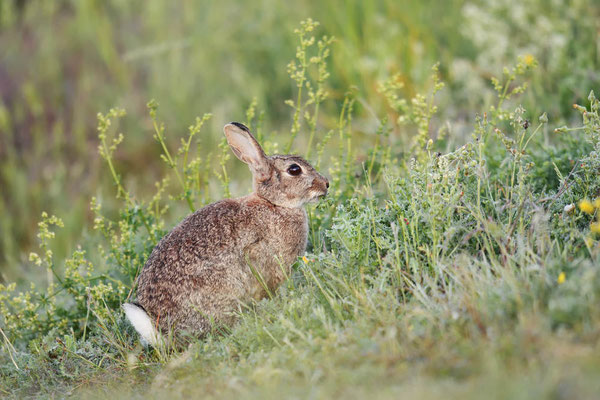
x=142, y=323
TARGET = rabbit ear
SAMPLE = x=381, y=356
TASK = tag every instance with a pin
x=247, y=149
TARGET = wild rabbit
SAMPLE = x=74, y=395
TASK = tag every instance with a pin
x=228, y=252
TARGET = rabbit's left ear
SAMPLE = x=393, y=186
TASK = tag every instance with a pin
x=246, y=148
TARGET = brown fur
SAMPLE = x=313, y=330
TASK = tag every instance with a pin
x=202, y=270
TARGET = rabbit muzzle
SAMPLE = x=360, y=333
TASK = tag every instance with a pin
x=319, y=188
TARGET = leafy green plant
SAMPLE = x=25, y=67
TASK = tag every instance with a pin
x=452, y=261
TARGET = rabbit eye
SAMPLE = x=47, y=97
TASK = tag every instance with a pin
x=294, y=170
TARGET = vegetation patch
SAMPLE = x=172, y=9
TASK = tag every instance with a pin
x=439, y=265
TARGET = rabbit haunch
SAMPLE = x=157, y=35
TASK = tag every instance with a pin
x=229, y=252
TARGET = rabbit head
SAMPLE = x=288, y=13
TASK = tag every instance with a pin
x=284, y=180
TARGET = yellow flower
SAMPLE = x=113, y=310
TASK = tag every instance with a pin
x=586, y=206
x=305, y=259
x=597, y=202
x=561, y=278
x=528, y=59
x=595, y=227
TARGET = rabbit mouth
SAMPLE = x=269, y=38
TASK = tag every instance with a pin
x=316, y=196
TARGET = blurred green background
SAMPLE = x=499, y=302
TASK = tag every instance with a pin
x=61, y=62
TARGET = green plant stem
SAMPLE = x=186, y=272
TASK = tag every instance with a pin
x=159, y=130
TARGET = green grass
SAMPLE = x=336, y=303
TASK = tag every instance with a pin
x=65, y=61
x=442, y=264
